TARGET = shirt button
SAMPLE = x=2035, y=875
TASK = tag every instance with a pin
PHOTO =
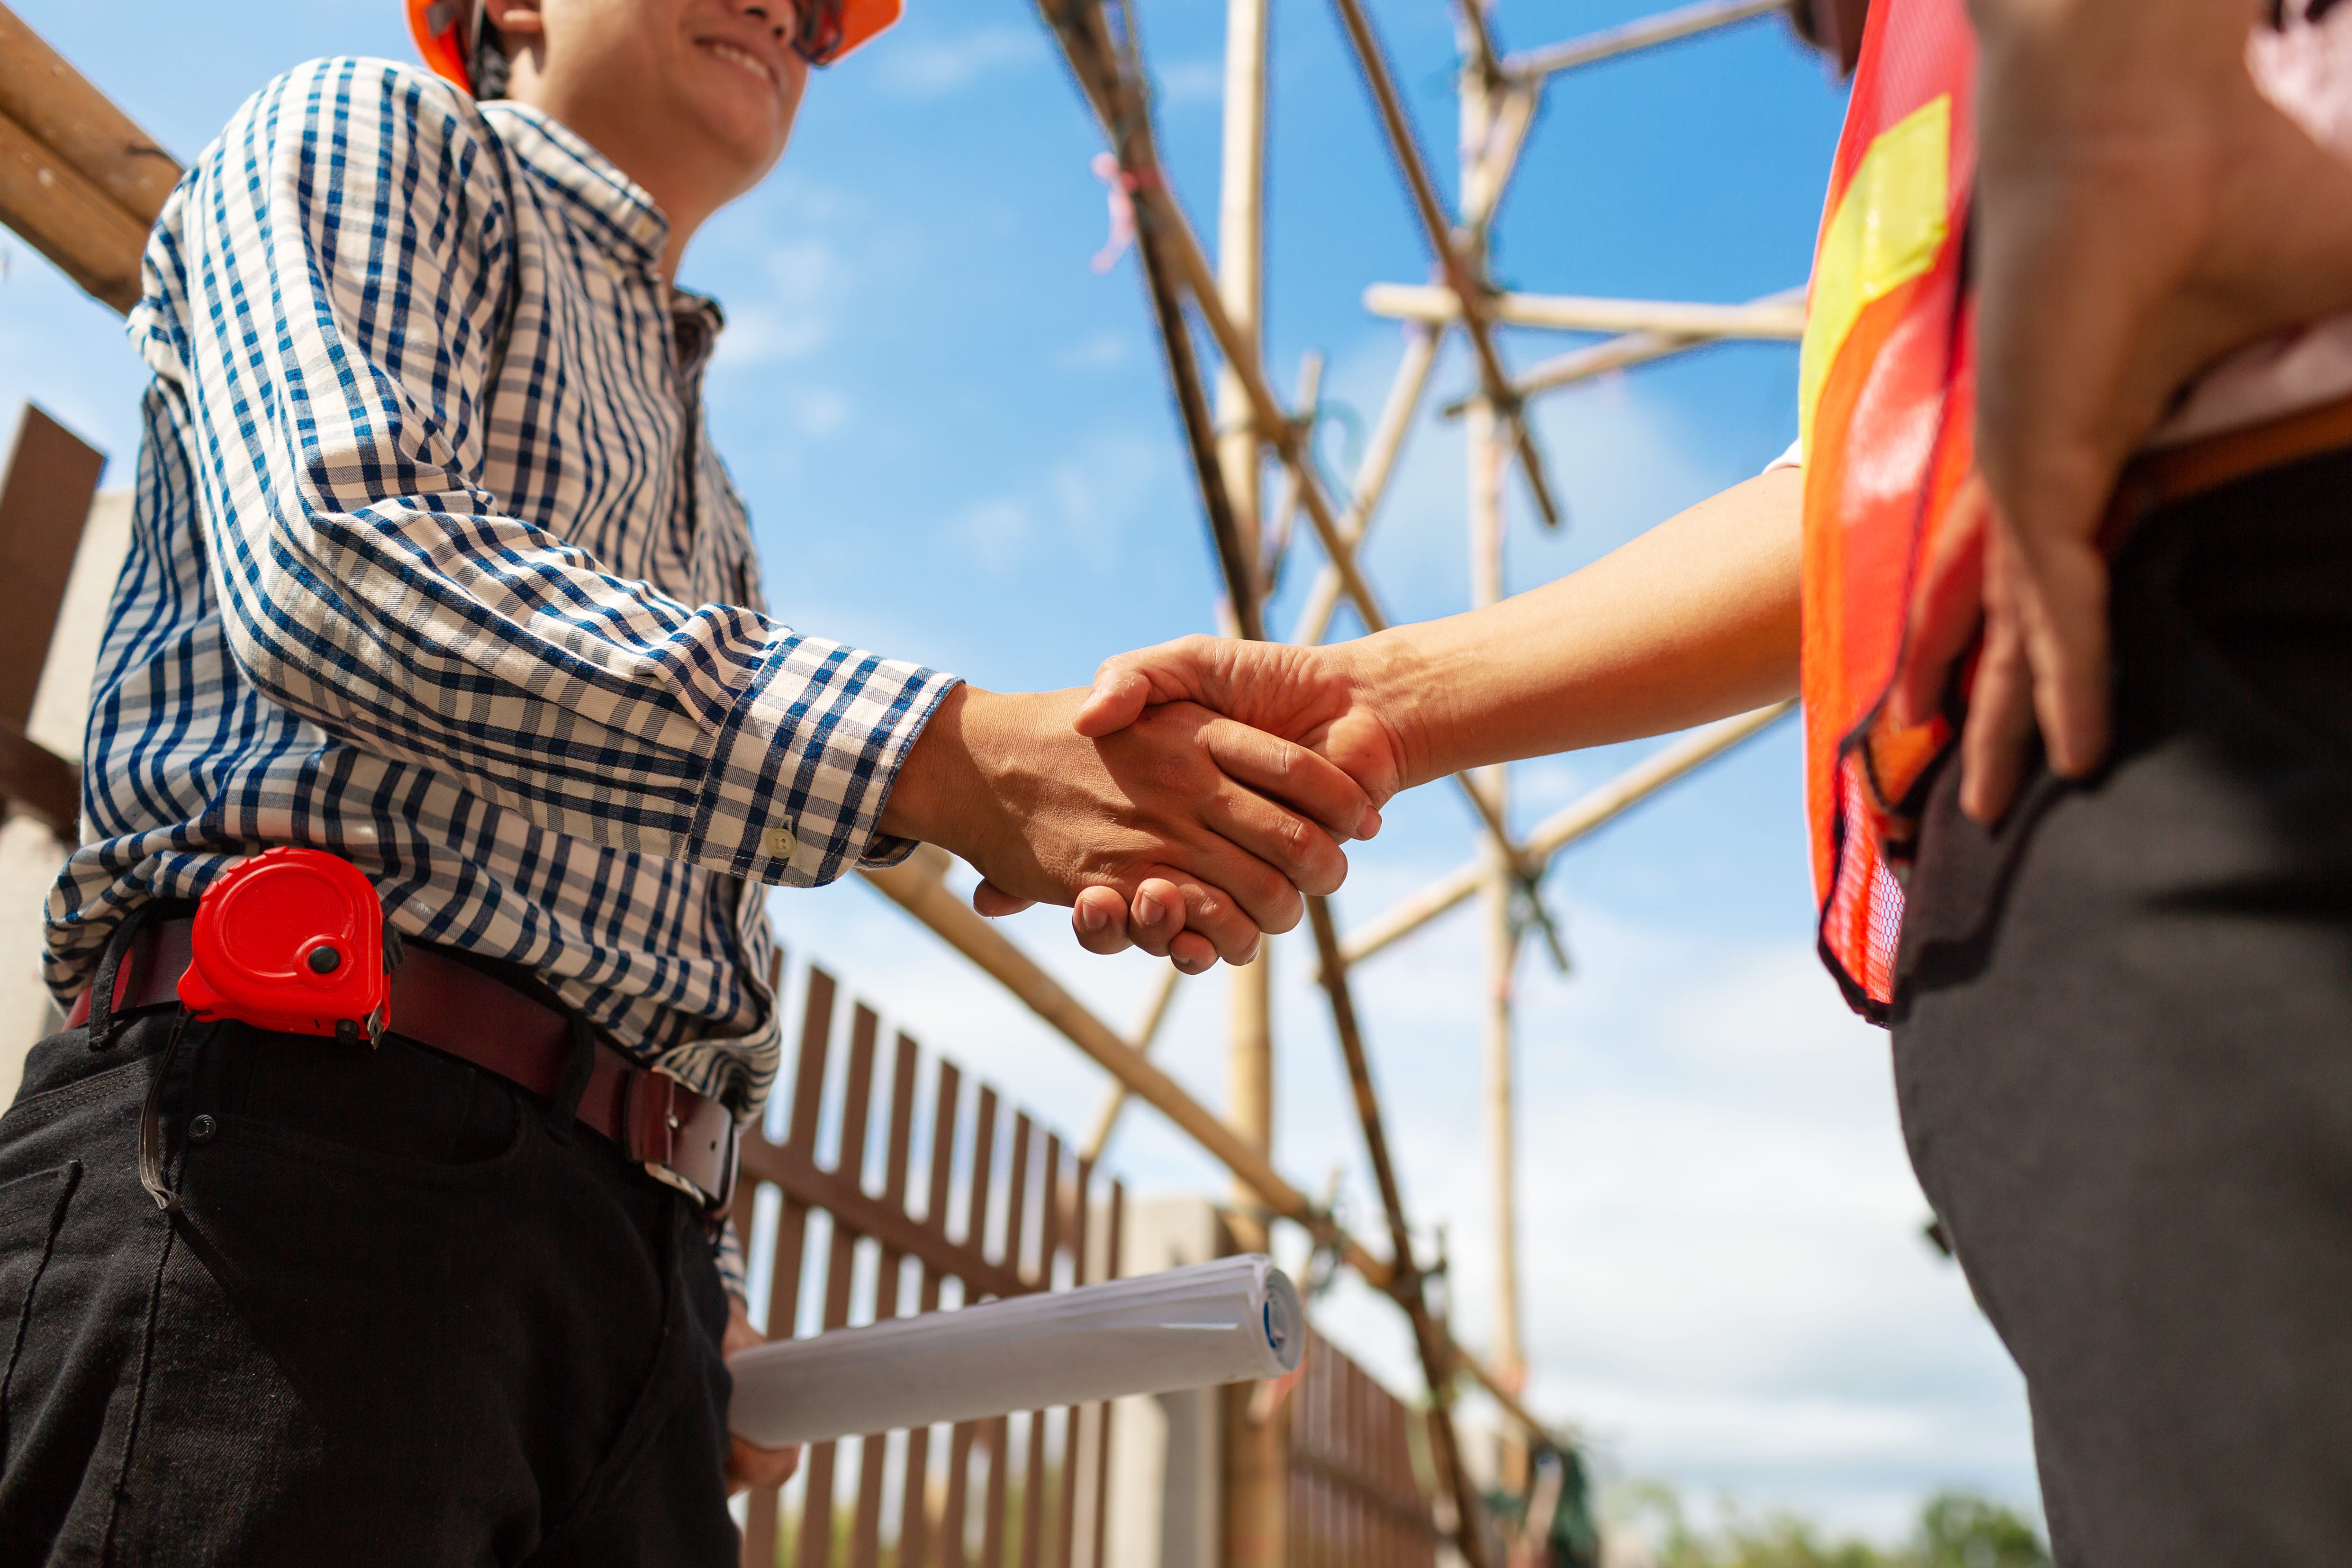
x=201, y=1130
x=781, y=843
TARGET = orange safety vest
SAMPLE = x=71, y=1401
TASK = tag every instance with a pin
x=1885, y=410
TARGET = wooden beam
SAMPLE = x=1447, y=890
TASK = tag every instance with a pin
x=1777, y=319
x=78, y=180
x=60, y=108
x=37, y=781
x=44, y=500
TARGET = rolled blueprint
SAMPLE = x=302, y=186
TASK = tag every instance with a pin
x=1188, y=1327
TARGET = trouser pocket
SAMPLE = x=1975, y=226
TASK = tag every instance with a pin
x=32, y=1209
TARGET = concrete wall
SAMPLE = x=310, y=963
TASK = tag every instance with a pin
x=30, y=855
x=1167, y=1451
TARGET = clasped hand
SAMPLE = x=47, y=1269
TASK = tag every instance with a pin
x=1180, y=830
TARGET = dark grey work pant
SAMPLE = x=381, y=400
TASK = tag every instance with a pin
x=2123, y=1049
x=403, y=1321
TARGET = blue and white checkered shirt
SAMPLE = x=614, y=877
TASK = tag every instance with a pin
x=494, y=634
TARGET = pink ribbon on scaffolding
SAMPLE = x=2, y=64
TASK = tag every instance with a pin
x=1121, y=194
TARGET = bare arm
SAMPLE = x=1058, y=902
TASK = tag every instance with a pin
x=1693, y=620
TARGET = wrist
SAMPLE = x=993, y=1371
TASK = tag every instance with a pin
x=1388, y=675
x=937, y=794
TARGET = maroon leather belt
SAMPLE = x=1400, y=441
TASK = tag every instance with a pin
x=680, y=1137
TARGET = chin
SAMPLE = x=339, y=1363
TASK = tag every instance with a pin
x=750, y=143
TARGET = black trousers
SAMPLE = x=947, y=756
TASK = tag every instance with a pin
x=2123, y=1050
x=403, y=1319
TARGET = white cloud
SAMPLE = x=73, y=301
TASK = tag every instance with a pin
x=1083, y=505
x=817, y=411
x=935, y=67
x=802, y=289
x=1103, y=351
x=996, y=533
x=1191, y=81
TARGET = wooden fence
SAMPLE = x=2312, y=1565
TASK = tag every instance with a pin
x=1004, y=1210
x=1356, y=1500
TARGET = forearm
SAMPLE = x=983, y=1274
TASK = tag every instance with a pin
x=1694, y=620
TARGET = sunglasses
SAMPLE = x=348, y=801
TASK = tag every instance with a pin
x=817, y=32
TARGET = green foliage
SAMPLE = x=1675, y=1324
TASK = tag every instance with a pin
x=1956, y=1530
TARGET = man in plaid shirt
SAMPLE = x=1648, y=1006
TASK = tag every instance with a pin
x=434, y=568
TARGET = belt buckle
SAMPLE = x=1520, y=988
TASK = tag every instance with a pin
x=654, y=1123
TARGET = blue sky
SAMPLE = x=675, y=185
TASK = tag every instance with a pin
x=958, y=448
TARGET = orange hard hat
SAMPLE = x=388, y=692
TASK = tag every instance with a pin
x=445, y=31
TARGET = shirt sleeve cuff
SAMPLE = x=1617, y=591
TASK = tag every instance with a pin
x=801, y=772
x=1794, y=457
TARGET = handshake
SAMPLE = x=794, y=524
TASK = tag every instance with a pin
x=1184, y=805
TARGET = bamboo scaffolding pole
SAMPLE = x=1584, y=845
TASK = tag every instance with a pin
x=1479, y=54
x=1209, y=471
x=1241, y=238
x=1159, y=220
x=1617, y=354
x=1782, y=321
x=1106, y=72
x=1437, y=1350
x=1275, y=426
x=1489, y=174
x=1648, y=33
x=1146, y=1035
x=1572, y=822
x=1258, y=1453
x=1114, y=88
x=1483, y=508
x=1241, y=253
x=1466, y=284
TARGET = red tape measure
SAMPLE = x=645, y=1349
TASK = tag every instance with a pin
x=291, y=941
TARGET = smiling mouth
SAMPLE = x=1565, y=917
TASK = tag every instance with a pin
x=744, y=60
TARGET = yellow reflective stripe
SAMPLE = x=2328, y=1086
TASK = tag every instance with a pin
x=1887, y=229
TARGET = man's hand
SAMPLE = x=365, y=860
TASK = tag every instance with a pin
x=1312, y=697
x=746, y=1466
x=1225, y=823
x=2141, y=210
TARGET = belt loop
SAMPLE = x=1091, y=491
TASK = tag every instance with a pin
x=564, y=1112
x=105, y=1025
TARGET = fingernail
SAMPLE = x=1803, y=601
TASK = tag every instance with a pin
x=1090, y=915
x=1147, y=909
x=1368, y=825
